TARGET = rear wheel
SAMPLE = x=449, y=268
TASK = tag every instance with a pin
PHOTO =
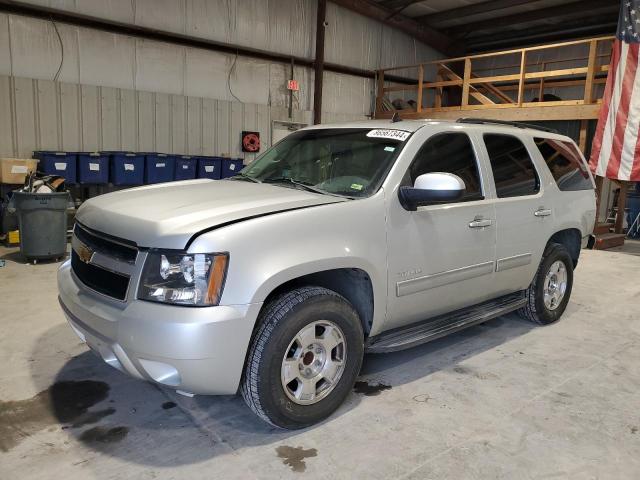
x=549, y=293
x=304, y=359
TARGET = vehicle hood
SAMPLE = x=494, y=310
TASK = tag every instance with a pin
x=168, y=215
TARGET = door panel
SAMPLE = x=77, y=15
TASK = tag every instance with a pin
x=524, y=214
x=441, y=257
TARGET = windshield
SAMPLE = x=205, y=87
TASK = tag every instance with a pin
x=351, y=162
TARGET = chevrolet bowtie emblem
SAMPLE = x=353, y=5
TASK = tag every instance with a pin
x=84, y=253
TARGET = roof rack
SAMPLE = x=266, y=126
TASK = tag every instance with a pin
x=481, y=121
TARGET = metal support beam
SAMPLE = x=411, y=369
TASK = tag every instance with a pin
x=423, y=33
x=319, y=63
x=463, y=13
x=572, y=10
x=85, y=21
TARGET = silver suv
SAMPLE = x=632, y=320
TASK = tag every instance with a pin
x=340, y=240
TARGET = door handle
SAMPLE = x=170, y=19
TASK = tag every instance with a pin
x=542, y=212
x=480, y=223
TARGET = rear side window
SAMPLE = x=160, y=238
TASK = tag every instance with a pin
x=513, y=170
x=565, y=163
x=450, y=153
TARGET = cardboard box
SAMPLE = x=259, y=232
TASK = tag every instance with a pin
x=14, y=170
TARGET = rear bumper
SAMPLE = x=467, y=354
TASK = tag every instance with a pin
x=197, y=350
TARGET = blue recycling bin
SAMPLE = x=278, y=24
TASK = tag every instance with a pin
x=159, y=167
x=231, y=166
x=126, y=168
x=93, y=168
x=186, y=167
x=58, y=163
x=633, y=204
x=210, y=167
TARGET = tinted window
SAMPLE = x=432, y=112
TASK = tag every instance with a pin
x=450, y=153
x=513, y=170
x=565, y=163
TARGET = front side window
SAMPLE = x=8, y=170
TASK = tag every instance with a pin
x=449, y=153
x=566, y=164
x=513, y=170
x=351, y=162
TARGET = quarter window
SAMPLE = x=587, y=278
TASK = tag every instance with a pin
x=450, y=153
x=513, y=170
x=566, y=164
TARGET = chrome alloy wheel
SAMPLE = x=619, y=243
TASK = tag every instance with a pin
x=314, y=362
x=555, y=285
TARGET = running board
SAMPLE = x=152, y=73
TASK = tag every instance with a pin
x=423, y=332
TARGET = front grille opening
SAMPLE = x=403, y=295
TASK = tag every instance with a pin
x=105, y=246
x=102, y=281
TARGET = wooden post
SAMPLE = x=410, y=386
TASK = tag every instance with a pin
x=591, y=69
x=465, y=82
x=622, y=203
x=380, y=94
x=438, y=99
x=582, y=143
x=523, y=67
x=420, y=88
x=541, y=90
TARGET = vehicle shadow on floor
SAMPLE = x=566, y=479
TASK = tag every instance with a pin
x=145, y=424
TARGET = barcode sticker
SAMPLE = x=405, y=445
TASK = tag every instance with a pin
x=94, y=167
x=389, y=133
x=232, y=166
x=185, y=167
x=129, y=166
x=60, y=166
x=208, y=168
x=160, y=165
x=19, y=169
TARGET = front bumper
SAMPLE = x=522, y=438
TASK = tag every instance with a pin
x=197, y=350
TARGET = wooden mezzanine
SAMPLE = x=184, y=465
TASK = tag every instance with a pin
x=499, y=85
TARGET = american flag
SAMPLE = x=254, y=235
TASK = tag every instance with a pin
x=616, y=146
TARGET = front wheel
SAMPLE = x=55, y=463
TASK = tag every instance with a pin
x=549, y=293
x=304, y=359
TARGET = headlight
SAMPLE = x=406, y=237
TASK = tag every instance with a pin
x=183, y=278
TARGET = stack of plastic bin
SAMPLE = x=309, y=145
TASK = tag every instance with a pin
x=159, y=167
x=127, y=168
x=231, y=166
x=93, y=168
x=210, y=167
x=57, y=163
x=186, y=167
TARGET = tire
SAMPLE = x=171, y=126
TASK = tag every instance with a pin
x=281, y=324
x=536, y=309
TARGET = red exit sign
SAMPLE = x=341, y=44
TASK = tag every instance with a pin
x=293, y=85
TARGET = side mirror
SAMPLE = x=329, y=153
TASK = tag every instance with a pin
x=431, y=188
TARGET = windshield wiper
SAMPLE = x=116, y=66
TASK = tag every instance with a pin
x=242, y=175
x=302, y=185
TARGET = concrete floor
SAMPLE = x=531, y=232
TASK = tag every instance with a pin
x=501, y=400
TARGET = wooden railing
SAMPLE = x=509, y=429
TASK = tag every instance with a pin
x=457, y=86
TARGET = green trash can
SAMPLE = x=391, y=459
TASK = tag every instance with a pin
x=42, y=218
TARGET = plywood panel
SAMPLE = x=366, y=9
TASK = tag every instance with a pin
x=7, y=147
x=91, y=120
x=146, y=122
x=223, y=118
x=110, y=112
x=209, y=133
x=163, y=122
x=178, y=124
x=128, y=120
x=194, y=126
x=70, y=127
x=25, y=125
x=47, y=115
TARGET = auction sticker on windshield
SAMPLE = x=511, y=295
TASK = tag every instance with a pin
x=389, y=133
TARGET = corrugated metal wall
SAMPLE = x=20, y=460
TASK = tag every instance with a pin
x=117, y=92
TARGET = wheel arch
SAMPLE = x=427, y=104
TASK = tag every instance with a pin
x=352, y=283
x=571, y=239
